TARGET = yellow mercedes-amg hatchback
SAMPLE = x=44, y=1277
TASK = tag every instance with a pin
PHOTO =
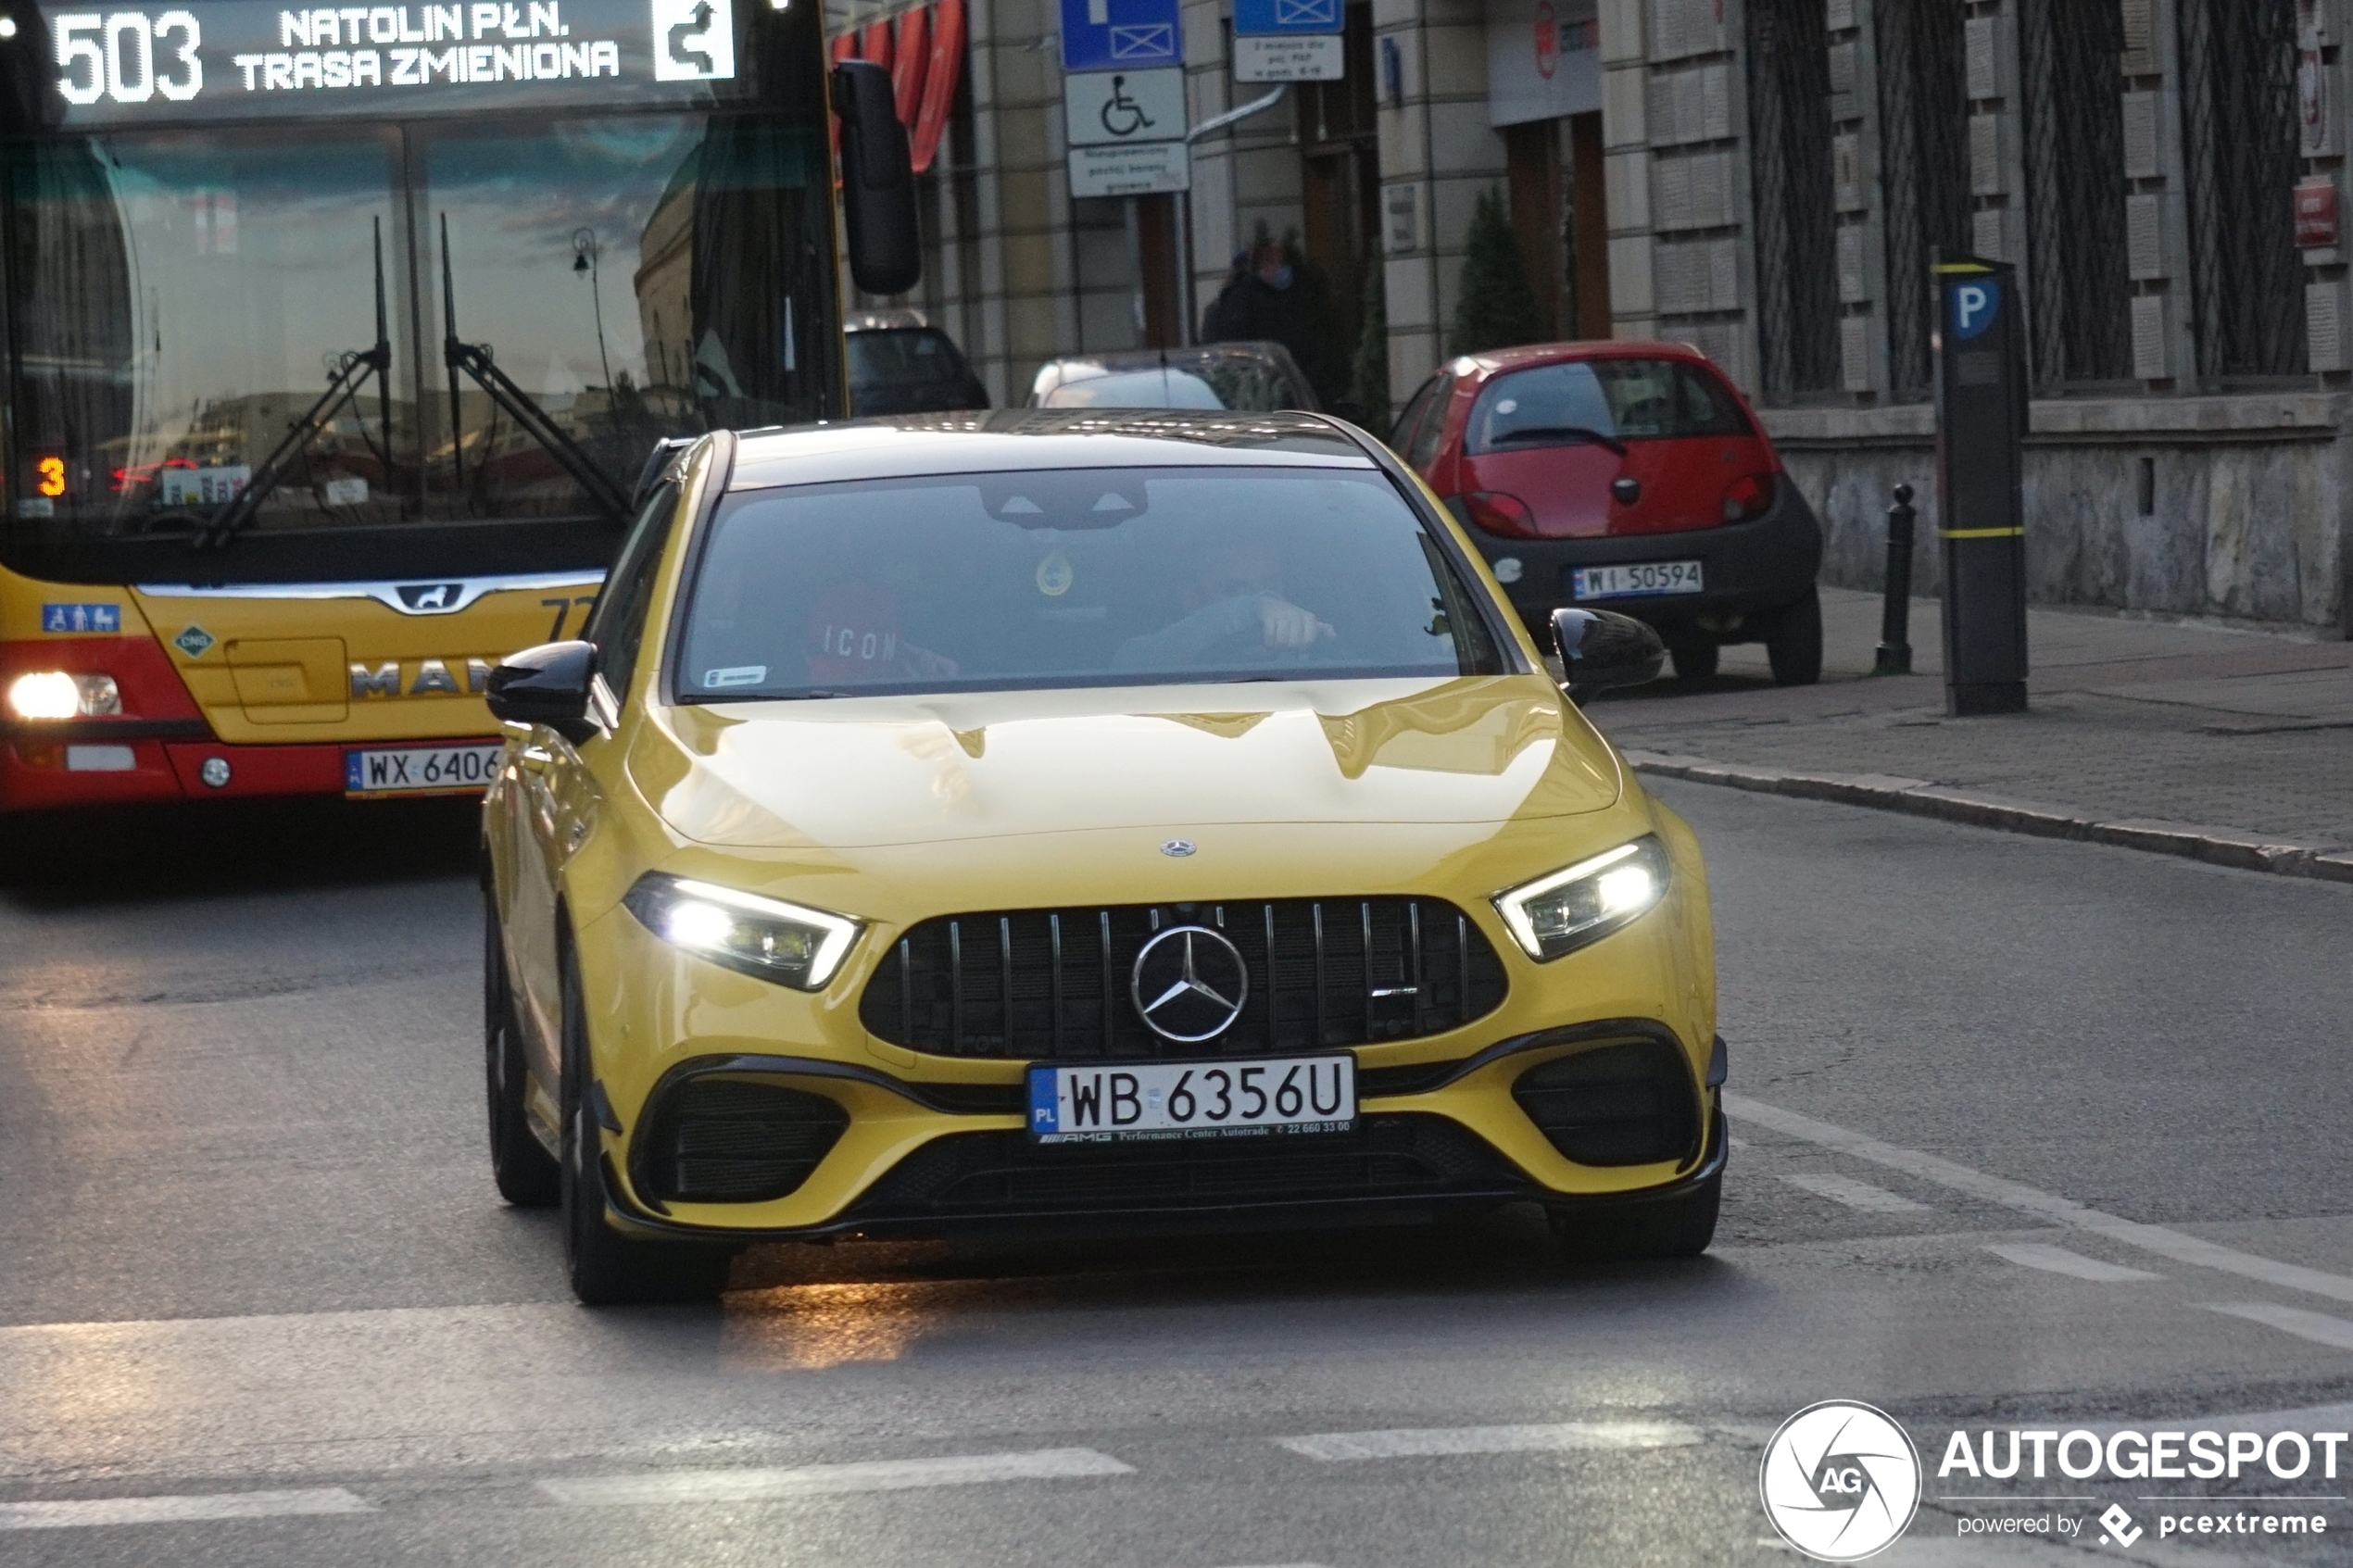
x=1095, y=822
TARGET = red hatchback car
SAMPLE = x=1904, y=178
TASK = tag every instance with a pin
x=1627, y=475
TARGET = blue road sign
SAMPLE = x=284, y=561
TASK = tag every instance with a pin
x=1976, y=302
x=1122, y=34
x=1264, y=18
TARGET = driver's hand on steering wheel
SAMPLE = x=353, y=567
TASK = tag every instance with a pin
x=1285, y=625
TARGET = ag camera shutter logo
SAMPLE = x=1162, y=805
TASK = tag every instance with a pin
x=1840, y=1481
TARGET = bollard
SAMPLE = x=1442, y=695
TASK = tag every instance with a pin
x=1895, y=617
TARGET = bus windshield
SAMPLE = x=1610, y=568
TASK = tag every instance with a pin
x=287, y=338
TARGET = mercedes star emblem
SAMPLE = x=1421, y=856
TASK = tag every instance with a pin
x=1181, y=847
x=1196, y=983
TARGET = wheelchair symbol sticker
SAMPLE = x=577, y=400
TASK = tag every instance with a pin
x=1124, y=107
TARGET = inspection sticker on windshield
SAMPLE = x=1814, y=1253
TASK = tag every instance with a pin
x=1236, y=1098
x=1625, y=582
x=409, y=768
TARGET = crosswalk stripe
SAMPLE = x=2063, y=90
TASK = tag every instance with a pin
x=1855, y=1194
x=2059, y=1261
x=183, y=1510
x=810, y=1480
x=1563, y=1436
x=2180, y=1246
x=2319, y=1327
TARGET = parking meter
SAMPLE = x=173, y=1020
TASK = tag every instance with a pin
x=1981, y=433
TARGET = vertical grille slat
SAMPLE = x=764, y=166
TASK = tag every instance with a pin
x=1321, y=975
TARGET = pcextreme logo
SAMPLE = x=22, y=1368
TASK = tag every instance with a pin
x=1840, y=1481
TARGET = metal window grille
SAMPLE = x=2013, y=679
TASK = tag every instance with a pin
x=1923, y=107
x=2078, y=282
x=1789, y=89
x=2239, y=151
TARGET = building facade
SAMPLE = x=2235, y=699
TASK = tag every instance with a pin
x=1770, y=180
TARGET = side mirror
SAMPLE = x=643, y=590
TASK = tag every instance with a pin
x=877, y=182
x=548, y=685
x=1599, y=650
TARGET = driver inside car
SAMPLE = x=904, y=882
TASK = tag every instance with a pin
x=1234, y=608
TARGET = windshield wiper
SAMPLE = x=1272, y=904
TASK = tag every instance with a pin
x=351, y=372
x=1560, y=432
x=475, y=359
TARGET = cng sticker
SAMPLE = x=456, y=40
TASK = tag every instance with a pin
x=1976, y=305
x=194, y=641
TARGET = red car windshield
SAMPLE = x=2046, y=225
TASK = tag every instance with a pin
x=1611, y=400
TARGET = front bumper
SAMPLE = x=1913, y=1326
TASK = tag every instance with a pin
x=167, y=761
x=1409, y=1161
x=1751, y=570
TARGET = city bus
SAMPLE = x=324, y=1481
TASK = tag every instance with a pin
x=337, y=339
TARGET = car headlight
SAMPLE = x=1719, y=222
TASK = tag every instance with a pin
x=52, y=693
x=1562, y=912
x=766, y=938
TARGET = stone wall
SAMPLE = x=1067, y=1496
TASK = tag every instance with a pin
x=2233, y=507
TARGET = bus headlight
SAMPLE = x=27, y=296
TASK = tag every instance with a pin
x=52, y=693
x=1562, y=912
x=764, y=937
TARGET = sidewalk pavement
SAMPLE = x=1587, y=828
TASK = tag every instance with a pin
x=2228, y=744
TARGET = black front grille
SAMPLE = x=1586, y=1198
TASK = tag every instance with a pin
x=1052, y=985
x=734, y=1140
x=1005, y=1174
x=1630, y=1104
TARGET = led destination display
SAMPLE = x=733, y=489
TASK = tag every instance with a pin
x=223, y=59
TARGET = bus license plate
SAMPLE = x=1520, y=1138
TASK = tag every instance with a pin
x=1646, y=577
x=1236, y=1098
x=405, y=769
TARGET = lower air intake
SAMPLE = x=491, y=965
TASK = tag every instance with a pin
x=735, y=1140
x=1630, y=1104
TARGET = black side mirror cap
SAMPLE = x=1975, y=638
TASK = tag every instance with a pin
x=1600, y=649
x=877, y=182
x=547, y=684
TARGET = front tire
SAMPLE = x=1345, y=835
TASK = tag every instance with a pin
x=1793, y=646
x=527, y=1175
x=608, y=1269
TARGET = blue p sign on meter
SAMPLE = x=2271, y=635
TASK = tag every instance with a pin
x=1975, y=306
x=1121, y=35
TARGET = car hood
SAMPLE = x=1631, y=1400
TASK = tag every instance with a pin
x=871, y=771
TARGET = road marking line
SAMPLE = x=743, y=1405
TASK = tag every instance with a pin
x=1855, y=1194
x=2059, y=1261
x=1561, y=1437
x=810, y=1480
x=2319, y=1327
x=2179, y=1246
x=179, y=1510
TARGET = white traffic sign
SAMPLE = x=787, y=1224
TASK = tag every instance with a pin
x=1109, y=108
x=1139, y=171
x=1313, y=57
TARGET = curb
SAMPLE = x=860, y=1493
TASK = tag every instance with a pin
x=1921, y=797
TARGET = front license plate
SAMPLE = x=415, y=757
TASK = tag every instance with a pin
x=396, y=772
x=1627, y=581
x=1192, y=1100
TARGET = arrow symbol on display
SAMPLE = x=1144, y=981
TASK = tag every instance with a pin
x=699, y=24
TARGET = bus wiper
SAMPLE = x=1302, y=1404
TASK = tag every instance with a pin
x=1560, y=432
x=475, y=359
x=351, y=372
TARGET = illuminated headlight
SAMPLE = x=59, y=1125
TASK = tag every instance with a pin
x=764, y=937
x=1562, y=912
x=52, y=693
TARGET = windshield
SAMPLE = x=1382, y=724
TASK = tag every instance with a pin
x=1134, y=389
x=1613, y=399
x=1073, y=578
x=921, y=356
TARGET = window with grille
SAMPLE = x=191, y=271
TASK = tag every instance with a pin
x=1789, y=87
x=2077, y=284
x=1923, y=169
x=2239, y=161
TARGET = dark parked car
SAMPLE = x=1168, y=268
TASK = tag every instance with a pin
x=899, y=365
x=1251, y=378
x=1630, y=476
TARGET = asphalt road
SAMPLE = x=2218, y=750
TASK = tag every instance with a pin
x=259, y=1305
